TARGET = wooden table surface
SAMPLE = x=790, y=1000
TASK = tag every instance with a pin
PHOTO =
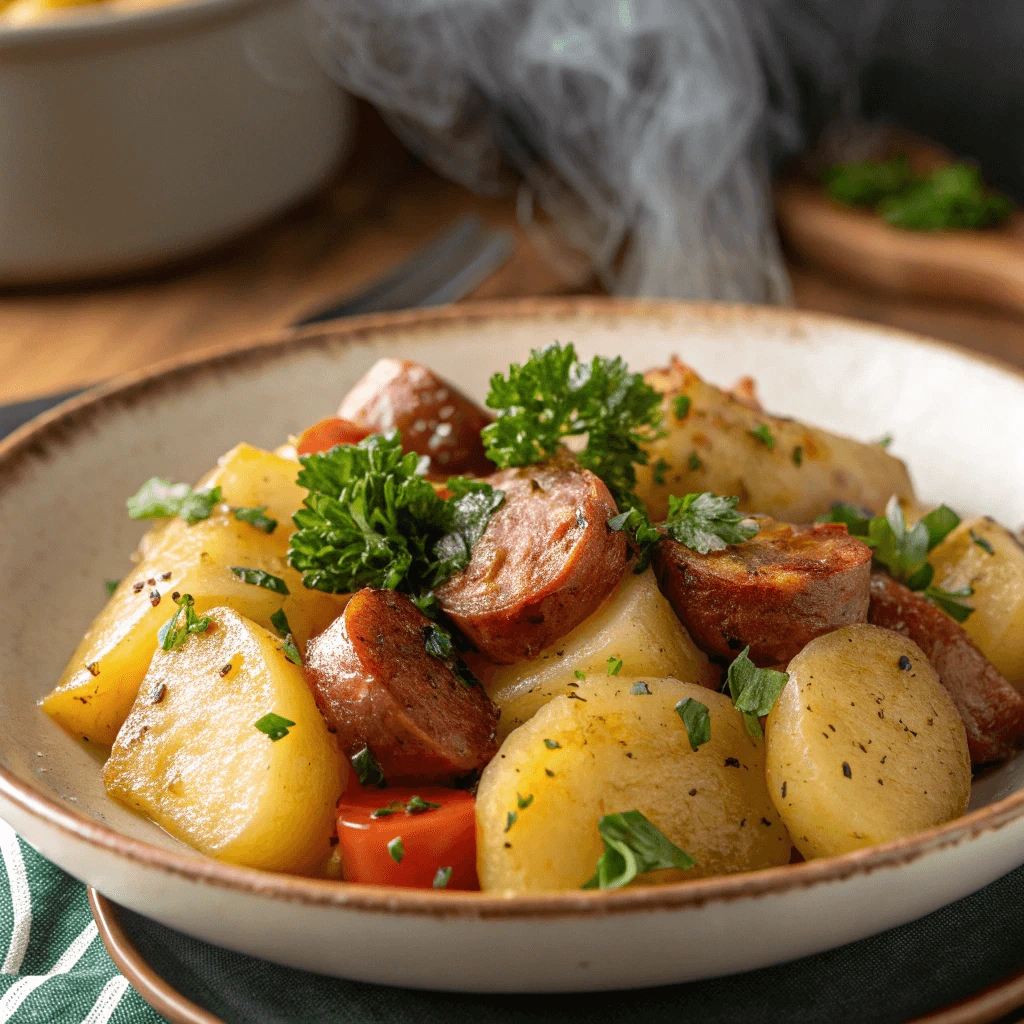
x=378, y=209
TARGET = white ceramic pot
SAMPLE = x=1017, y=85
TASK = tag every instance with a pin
x=133, y=137
x=958, y=420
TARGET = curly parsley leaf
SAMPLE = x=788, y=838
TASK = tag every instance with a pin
x=706, y=522
x=949, y=198
x=754, y=690
x=633, y=846
x=182, y=624
x=697, y=720
x=554, y=395
x=372, y=520
x=160, y=499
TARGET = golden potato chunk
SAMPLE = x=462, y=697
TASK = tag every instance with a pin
x=864, y=744
x=635, y=625
x=983, y=555
x=191, y=757
x=777, y=466
x=609, y=750
x=96, y=691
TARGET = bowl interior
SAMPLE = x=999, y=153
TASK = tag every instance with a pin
x=956, y=420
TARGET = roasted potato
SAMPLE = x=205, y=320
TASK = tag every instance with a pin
x=776, y=466
x=191, y=757
x=635, y=625
x=98, y=686
x=864, y=744
x=985, y=556
x=540, y=799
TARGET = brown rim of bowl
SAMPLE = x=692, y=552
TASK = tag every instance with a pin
x=982, y=1008
x=164, y=998
x=30, y=441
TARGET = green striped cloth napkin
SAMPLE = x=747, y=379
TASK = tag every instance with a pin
x=55, y=968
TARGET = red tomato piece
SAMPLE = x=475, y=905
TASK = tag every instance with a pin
x=323, y=436
x=429, y=841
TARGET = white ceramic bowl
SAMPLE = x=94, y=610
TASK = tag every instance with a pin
x=130, y=137
x=958, y=420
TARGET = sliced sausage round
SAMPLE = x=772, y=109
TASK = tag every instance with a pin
x=545, y=562
x=435, y=418
x=377, y=686
x=775, y=592
x=992, y=709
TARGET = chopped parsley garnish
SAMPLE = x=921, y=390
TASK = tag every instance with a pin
x=902, y=551
x=580, y=675
x=111, y=585
x=368, y=770
x=552, y=744
x=259, y=578
x=706, y=522
x=885, y=440
x=371, y=519
x=695, y=462
x=524, y=801
x=697, y=720
x=396, y=849
x=754, y=690
x=291, y=651
x=614, y=666
x=554, y=395
x=763, y=434
x=280, y=622
x=417, y=805
x=633, y=846
x=680, y=406
x=510, y=820
x=160, y=499
x=659, y=471
x=640, y=688
x=442, y=878
x=867, y=182
x=438, y=642
x=182, y=624
x=392, y=808
x=274, y=726
x=256, y=517
x=798, y=455
x=980, y=541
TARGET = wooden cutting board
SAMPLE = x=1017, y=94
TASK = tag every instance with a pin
x=978, y=266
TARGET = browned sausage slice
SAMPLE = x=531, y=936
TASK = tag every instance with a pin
x=545, y=562
x=435, y=419
x=377, y=686
x=992, y=710
x=776, y=592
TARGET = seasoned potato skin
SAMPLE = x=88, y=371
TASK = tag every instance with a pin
x=731, y=460
x=93, y=702
x=774, y=593
x=635, y=625
x=619, y=751
x=860, y=750
x=189, y=755
x=997, y=578
x=992, y=710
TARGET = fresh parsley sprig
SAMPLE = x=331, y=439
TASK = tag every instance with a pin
x=903, y=551
x=371, y=519
x=633, y=846
x=160, y=499
x=754, y=690
x=182, y=624
x=555, y=395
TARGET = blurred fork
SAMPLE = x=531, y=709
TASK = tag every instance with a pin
x=444, y=270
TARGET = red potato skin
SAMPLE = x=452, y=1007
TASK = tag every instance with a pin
x=545, y=562
x=992, y=710
x=435, y=418
x=376, y=686
x=775, y=592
